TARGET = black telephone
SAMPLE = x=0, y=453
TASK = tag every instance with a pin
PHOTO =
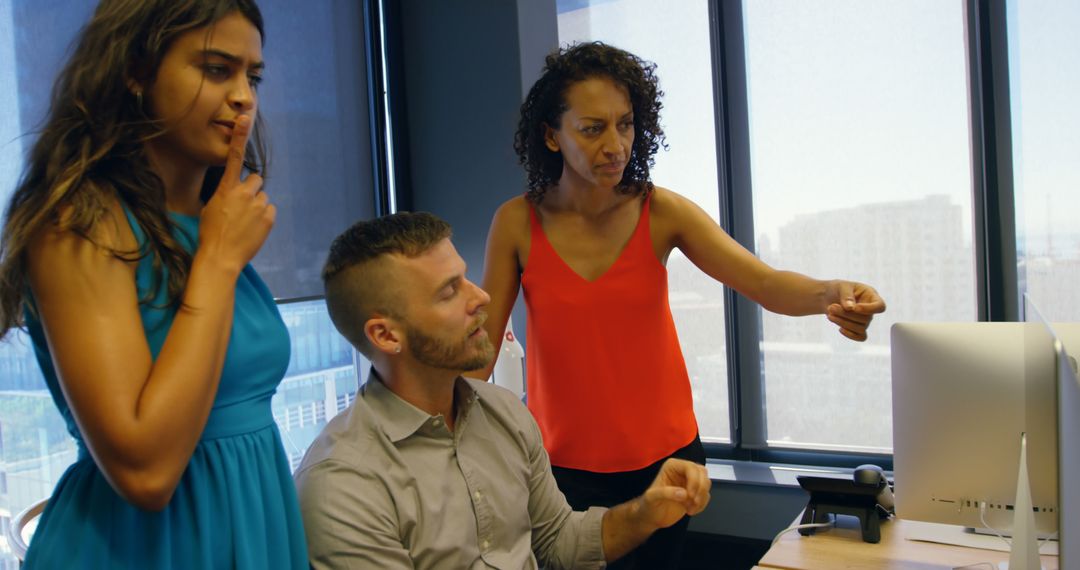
x=867, y=495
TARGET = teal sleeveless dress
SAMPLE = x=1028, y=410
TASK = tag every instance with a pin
x=235, y=506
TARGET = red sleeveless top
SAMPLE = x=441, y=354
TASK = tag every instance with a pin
x=606, y=378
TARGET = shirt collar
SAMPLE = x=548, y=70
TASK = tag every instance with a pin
x=400, y=419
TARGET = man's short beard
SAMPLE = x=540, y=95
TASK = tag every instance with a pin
x=432, y=352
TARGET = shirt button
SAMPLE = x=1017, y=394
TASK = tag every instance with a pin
x=485, y=544
x=436, y=423
x=476, y=495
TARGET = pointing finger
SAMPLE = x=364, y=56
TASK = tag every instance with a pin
x=234, y=164
x=871, y=307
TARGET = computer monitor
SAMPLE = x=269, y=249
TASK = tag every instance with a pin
x=963, y=393
x=1066, y=342
x=1069, y=453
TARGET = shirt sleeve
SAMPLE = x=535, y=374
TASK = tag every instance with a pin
x=349, y=519
x=561, y=537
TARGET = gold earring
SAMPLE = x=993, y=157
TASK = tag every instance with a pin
x=397, y=349
x=138, y=99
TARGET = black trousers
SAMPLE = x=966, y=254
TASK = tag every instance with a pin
x=584, y=489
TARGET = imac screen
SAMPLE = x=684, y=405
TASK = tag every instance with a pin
x=1066, y=345
x=963, y=393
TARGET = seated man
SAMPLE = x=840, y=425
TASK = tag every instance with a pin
x=428, y=469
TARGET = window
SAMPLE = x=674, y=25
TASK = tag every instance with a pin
x=1046, y=175
x=860, y=169
x=323, y=373
x=314, y=101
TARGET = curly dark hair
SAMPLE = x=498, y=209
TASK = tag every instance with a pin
x=546, y=103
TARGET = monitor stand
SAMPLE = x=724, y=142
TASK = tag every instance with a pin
x=1024, y=553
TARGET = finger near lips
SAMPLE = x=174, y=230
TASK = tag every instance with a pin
x=241, y=129
x=235, y=161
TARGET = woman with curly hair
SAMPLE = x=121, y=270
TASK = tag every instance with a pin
x=588, y=244
x=126, y=250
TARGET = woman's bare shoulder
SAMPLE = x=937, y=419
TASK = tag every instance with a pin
x=512, y=217
x=508, y=238
x=516, y=208
x=667, y=206
x=108, y=233
x=667, y=199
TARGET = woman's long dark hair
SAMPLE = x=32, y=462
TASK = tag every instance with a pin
x=546, y=102
x=90, y=151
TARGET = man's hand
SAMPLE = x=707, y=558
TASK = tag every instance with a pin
x=681, y=488
x=852, y=306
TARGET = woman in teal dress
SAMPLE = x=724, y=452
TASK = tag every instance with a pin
x=125, y=253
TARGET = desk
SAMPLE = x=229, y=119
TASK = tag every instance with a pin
x=842, y=548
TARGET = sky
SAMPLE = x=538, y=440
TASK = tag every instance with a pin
x=1045, y=80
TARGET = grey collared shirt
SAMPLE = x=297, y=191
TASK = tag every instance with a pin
x=387, y=486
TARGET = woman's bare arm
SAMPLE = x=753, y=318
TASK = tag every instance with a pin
x=502, y=271
x=683, y=224
x=141, y=418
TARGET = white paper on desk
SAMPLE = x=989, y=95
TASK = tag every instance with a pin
x=959, y=536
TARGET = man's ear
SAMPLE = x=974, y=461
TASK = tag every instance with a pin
x=383, y=334
x=549, y=138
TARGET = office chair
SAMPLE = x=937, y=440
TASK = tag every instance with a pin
x=19, y=524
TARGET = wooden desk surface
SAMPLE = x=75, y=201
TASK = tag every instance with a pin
x=842, y=548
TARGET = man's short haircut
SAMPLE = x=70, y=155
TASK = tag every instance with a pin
x=356, y=277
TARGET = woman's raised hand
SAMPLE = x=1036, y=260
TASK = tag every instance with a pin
x=235, y=222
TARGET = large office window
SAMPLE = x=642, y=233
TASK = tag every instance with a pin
x=314, y=101
x=675, y=36
x=321, y=380
x=860, y=169
x=1044, y=82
